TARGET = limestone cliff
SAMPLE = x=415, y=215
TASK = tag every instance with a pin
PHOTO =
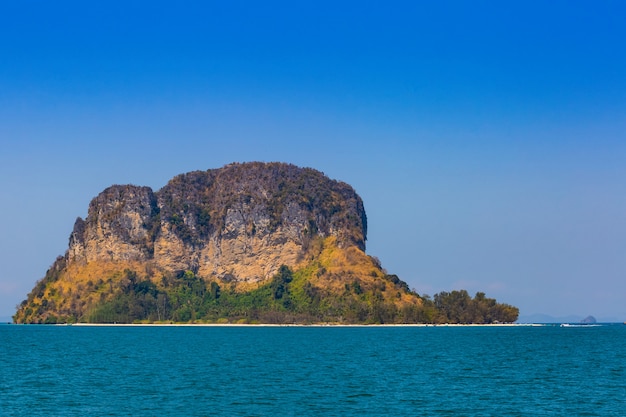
x=240, y=222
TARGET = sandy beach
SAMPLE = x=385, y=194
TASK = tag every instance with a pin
x=297, y=325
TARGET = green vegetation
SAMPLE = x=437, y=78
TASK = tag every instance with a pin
x=459, y=307
x=287, y=298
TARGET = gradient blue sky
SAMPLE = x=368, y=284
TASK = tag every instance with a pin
x=486, y=138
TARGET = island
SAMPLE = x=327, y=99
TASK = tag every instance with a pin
x=246, y=243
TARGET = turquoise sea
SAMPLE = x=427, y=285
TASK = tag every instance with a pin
x=310, y=371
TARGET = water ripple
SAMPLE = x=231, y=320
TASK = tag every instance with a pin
x=258, y=371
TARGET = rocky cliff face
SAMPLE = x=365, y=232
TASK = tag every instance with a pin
x=117, y=226
x=238, y=223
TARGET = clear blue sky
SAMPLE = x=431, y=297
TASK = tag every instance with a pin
x=486, y=138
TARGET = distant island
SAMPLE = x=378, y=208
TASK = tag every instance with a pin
x=589, y=320
x=245, y=243
x=545, y=318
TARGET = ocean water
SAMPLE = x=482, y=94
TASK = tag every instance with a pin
x=311, y=371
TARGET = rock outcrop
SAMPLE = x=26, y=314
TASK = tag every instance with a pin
x=248, y=243
x=240, y=222
x=289, y=239
x=588, y=320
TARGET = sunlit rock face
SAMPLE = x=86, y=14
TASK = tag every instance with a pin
x=237, y=223
x=116, y=226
